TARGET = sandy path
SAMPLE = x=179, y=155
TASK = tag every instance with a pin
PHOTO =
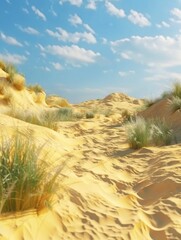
x=112, y=192
x=124, y=194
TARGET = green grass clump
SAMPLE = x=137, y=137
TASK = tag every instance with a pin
x=11, y=70
x=175, y=104
x=36, y=88
x=142, y=133
x=128, y=116
x=138, y=133
x=64, y=114
x=176, y=92
x=89, y=115
x=161, y=133
x=47, y=118
x=25, y=181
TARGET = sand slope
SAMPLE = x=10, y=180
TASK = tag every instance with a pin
x=107, y=190
x=110, y=191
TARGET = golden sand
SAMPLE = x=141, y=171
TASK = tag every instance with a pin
x=108, y=191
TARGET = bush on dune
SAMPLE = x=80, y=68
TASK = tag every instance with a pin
x=141, y=133
x=26, y=182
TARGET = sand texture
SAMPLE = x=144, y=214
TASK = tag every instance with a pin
x=107, y=191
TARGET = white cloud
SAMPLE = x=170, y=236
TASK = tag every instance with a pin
x=73, y=53
x=13, y=58
x=163, y=24
x=8, y=1
x=38, y=13
x=77, y=3
x=75, y=20
x=126, y=74
x=154, y=52
x=176, y=12
x=88, y=28
x=57, y=66
x=63, y=35
x=9, y=40
x=104, y=40
x=25, y=10
x=29, y=30
x=91, y=5
x=138, y=19
x=126, y=55
x=112, y=10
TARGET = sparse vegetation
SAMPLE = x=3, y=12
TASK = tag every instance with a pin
x=35, y=88
x=141, y=133
x=175, y=104
x=25, y=181
x=89, y=115
x=2, y=65
x=176, y=92
x=138, y=133
x=161, y=133
x=47, y=118
x=11, y=70
x=127, y=116
x=17, y=80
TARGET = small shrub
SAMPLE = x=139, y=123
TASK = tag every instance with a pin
x=151, y=102
x=128, y=116
x=64, y=114
x=25, y=181
x=89, y=115
x=36, y=88
x=176, y=92
x=175, y=104
x=166, y=94
x=161, y=133
x=78, y=115
x=141, y=133
x=138, y=133
x=11, y=70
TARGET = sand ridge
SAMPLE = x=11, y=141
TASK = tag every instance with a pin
x=110, y=191
x=107, y=190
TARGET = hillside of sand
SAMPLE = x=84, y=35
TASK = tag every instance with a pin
x=108, y=191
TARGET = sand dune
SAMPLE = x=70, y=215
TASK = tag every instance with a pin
x=108, y=191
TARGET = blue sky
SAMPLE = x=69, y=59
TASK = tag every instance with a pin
x=86, y=49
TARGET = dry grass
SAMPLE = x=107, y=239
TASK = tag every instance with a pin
x=25, y=181
x=2, y=65
x=141, y=133
x=35, y=88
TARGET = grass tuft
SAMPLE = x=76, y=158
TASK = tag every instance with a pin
x=175, y=104
x=35, y=88
x=176, y=92
x=11, y=70
x=25, y=181
x=138, y=133
x=89, y=115
x=142, y=133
